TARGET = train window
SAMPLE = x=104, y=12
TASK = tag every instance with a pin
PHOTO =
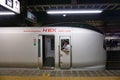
x=64, y=43
x=52, y=43
x=39, y=54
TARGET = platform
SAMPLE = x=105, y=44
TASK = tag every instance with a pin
x=36, y=74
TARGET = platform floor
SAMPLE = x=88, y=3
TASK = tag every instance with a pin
x=56, y=78
x=36, y=74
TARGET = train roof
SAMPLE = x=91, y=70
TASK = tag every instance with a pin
x=76, y=24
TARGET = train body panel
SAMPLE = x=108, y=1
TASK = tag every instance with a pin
x=42, y=47
x=16, y=49
x=87, y=49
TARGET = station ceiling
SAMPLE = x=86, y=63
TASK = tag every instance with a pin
x=108, y=20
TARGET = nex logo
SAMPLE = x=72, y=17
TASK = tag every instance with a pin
x=49, y=30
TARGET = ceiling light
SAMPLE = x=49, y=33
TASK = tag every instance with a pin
x=64, y=15
x=7, y=13
x=73, y=11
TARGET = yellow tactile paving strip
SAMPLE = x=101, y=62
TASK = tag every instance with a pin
x=56, y=78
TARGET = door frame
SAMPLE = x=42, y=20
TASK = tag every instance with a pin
x=40, y=53
x=59, y=47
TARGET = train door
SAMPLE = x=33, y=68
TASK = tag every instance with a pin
x=65, y=52
x=48, y=50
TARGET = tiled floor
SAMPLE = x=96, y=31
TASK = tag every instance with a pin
x=36, y=74
x=58, y=73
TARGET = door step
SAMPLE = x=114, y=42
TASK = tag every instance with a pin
x=48, y=68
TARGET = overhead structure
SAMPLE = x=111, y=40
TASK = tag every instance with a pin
x=102, y=23
x=37, y=8
x=10, y=5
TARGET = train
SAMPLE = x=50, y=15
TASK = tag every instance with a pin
x=42, y=47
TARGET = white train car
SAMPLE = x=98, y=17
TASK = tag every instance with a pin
x=43, y=47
